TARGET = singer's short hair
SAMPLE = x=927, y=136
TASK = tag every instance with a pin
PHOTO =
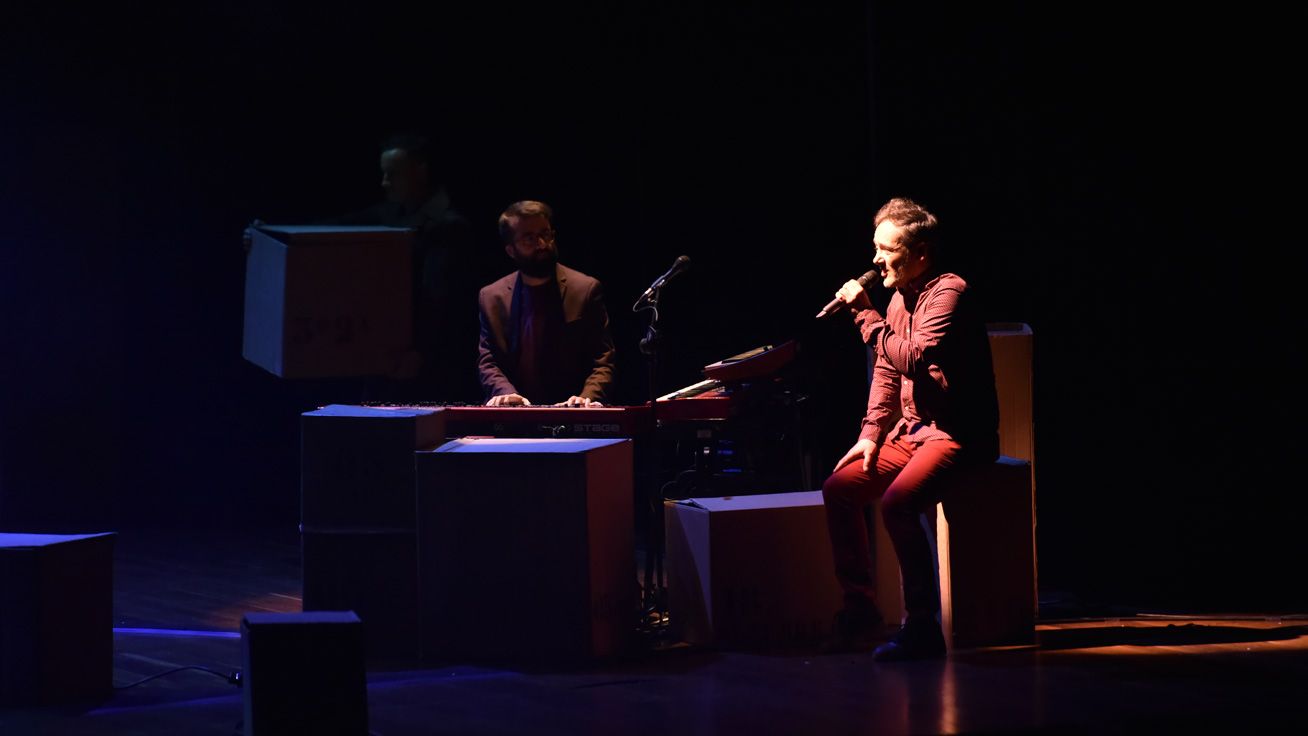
x=921, y=230
x=525, y=208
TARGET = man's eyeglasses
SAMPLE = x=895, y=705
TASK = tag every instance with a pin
x=544, y=236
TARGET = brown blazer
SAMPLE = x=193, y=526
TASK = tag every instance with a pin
x=587, y=350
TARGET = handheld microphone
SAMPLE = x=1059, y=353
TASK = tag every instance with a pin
x=834, y=305
x=681, y=264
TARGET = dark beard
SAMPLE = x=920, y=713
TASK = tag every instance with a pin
x=540, y=266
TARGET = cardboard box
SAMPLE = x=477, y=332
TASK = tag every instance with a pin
x=750, y=570
x=526, y=550
x=56, y=617
x=330, y=301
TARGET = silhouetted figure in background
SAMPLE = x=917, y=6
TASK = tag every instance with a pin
x=544, y=328
x=446, y=271
x=447, y=266
x=933, y=371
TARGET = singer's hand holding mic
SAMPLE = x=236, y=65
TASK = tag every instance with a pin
x=852, y=294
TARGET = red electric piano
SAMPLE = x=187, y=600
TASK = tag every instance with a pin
x=727, y=385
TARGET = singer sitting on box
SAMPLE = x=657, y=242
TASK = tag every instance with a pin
x=544, y=329
x=932, y=365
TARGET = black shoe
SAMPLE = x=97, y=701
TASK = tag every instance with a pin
x=855, y=631
x=913, y=641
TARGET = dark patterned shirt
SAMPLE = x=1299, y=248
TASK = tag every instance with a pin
x=933, y=368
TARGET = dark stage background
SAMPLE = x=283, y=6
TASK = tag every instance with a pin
x=1096, y=170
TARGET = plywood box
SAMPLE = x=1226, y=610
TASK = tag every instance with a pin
x=356, y=465
x=56, y=617
x=526, y=549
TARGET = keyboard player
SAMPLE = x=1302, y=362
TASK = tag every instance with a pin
x=545, y=335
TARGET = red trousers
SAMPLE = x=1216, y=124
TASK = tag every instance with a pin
x=908, y=479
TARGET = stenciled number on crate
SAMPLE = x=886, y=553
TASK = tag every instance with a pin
x=342, y=329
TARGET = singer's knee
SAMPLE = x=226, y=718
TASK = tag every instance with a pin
x=840, y=489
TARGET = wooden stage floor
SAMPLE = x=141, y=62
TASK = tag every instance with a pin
x=180, y=596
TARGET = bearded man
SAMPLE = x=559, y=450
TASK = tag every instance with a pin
x=544, y=329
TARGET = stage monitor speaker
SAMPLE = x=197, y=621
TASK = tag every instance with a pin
x=304, y=674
